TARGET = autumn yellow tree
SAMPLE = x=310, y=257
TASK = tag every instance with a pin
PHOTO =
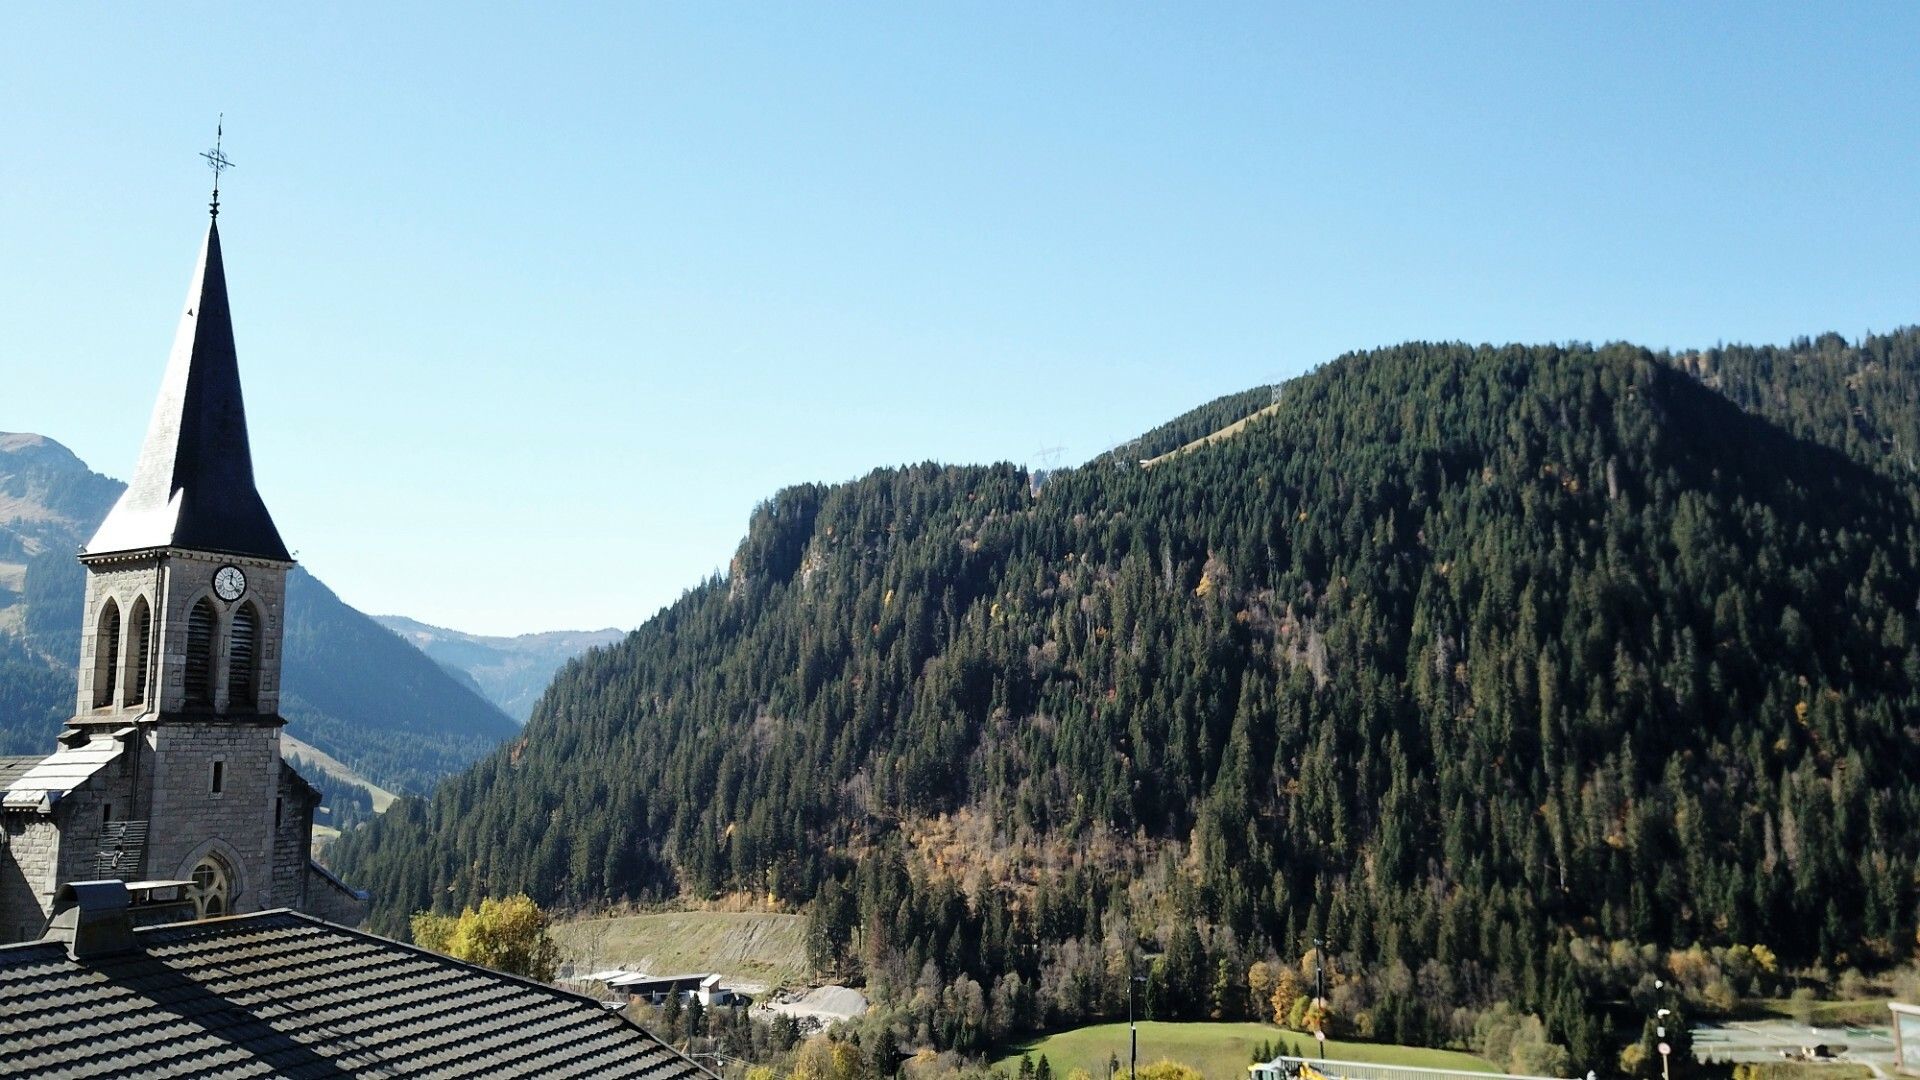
x=1286, y=991
x=507, y=935
x=827, y=1059
x=1260, y=985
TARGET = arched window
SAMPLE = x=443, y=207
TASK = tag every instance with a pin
x=106, y=655
x=199, y=673
x=211, y=884
x=240, y=651
x=139, y=647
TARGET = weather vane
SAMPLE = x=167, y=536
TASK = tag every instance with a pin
x=217, y=161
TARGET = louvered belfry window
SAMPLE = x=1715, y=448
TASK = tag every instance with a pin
x=199, y=673
x=140, y=644
x=106, y=655
x=240, y=650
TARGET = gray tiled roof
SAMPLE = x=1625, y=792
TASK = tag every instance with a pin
x=285, y=994
x=13, y=768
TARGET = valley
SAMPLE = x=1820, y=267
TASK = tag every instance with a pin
x=511, y=671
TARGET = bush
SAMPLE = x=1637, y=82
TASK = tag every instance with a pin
x=1518, y=1043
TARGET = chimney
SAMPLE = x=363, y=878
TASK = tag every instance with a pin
x=91, y=917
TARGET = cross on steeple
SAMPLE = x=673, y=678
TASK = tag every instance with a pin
x=217, y=161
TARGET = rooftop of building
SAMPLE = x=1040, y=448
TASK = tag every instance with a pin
x=279, y=993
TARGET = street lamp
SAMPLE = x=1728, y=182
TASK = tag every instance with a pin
x=1133, y=1032
x=1320, y=998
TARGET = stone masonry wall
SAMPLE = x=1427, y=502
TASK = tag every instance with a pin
x=190, y=819
x=189, y=577
x=326, y=899
x=292, y=841
x=32, y=844
x=125, y=581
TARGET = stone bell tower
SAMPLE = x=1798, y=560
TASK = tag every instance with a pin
x=170, y=771
x=181, y=643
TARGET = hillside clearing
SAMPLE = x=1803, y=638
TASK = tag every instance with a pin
x=1217, y=1049
x=757, y=948
x=300, y=753
x=1227, y=432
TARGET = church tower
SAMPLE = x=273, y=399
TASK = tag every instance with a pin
x=169, y=773
x=192, y=538
x=181, y=640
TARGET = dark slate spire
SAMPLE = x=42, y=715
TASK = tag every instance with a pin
x=194, y=487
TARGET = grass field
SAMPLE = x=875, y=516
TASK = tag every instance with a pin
x=1217, y=1050
x=747, y=947
x=1824, y=1013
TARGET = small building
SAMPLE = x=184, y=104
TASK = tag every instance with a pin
x=281, y=993
x=1906, y=1038
x=656, y=989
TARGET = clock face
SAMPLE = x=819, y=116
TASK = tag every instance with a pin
x=229, y=583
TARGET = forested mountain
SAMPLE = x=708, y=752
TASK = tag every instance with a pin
x=1489, y=666
x=511, y=671
x=353, y=689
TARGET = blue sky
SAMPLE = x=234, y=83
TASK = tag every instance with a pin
x=534, y=303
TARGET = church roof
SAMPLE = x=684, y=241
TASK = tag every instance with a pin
x=284, y=994
x=14, y=767
x=193, y=487
x=58, y=774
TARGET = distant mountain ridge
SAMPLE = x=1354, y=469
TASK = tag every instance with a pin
x=511, y=671
x=353, y=689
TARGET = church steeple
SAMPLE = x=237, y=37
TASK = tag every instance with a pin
x=186, y=578
x=193, y=487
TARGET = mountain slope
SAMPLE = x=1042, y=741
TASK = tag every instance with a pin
x=1195, y=423
x=352, y=689
x=511, y=671
x=1457, y=655
x=1857, y=399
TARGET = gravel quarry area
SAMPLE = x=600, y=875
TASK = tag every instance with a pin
x=819, y=1007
